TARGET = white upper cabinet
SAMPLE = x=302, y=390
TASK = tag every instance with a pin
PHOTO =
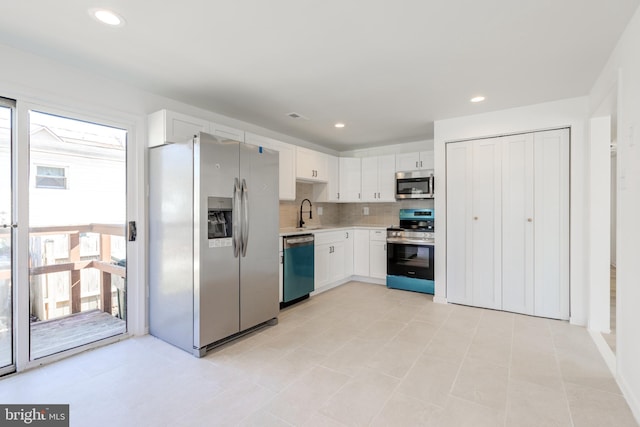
x=378, y=178
x=227, y=132
x=414, y=161
x=311, y=165
x=350, y=178
x=329, y=191
x=167, y=127
x=287, y=154
x=333, y=179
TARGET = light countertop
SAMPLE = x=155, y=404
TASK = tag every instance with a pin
x=291, y=231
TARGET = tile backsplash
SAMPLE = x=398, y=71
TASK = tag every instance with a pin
x=343, y=214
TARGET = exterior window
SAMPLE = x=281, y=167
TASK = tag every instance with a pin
x=51, y=177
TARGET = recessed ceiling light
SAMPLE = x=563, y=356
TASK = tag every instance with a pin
x=339, y=125
x=477, y=99
x=107, y=17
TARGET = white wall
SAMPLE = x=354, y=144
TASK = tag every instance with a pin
x=599, y=184
x=565, y=113
x=622, y=72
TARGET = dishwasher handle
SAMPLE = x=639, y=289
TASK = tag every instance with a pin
x=295, y=241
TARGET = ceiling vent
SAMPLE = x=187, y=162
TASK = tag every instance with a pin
x=297, y=116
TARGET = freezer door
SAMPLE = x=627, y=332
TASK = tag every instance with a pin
x=259, y=261
x=216, y=296
x=171, y=244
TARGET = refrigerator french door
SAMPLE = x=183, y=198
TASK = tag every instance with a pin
x=213, y=268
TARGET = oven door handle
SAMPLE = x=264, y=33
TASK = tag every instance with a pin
x=409, y=241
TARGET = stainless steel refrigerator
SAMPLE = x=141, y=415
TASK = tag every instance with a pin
x=213, y=241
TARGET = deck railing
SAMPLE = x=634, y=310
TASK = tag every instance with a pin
x=74, y=264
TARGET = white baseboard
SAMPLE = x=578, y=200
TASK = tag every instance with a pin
x=610, y=359
x=440, y=300
x=605, y=351
x=369, y=280
x=632, y=399
x=329, y=286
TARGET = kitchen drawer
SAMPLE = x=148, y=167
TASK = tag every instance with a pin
x=378, y=235
x=331, y=236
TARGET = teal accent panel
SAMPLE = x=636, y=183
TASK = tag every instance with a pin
x=411, y=284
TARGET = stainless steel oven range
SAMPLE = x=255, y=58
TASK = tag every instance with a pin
x=410, y=252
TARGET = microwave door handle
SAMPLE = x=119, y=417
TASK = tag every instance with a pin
x=431, y=185
x=245, y=217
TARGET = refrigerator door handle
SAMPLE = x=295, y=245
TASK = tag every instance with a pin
x=236, y=219
x=245, y=217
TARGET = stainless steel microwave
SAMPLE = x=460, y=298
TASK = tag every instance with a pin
x=414, y=184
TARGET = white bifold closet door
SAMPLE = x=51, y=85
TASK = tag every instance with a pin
x=508, y=223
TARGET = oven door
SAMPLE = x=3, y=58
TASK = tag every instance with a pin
x=413, y=260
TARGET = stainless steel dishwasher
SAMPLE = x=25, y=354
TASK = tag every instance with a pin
x=298, y=266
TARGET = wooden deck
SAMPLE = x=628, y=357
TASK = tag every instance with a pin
x=56, y=335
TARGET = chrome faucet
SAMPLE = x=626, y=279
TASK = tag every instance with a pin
x=310, y=212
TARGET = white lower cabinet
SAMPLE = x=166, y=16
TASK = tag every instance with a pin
x=508, y=223
x=348, y=253
x=345, y=253
x=378, y=254
x=361, y=253
x=330, y=257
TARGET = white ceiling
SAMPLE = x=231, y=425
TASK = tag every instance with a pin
x=386, y=68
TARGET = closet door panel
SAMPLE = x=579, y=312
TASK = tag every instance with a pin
x=459, y=176
x=551, y=275
x=517, y=223
x=487, y=224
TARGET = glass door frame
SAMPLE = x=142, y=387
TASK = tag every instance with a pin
x=136, y=182
x=13, y=221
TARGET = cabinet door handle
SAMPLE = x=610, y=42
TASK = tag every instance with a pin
x=416, y=164
x=529, y=219
x=338, y=196
x=378, y=195
x=281, y=259
x=420, y=163
x=475, y=218
x=358, y=196
x=347, y=234
x=385, y=247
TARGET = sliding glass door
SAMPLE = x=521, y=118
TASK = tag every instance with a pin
x=77, y=245
x=6, y=236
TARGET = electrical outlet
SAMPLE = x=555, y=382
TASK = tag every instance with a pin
x=319, y=210
x=365, y=210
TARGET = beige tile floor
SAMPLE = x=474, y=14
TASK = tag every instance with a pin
x=359, y=354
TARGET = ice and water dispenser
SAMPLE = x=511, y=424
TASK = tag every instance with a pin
x=220, y=221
